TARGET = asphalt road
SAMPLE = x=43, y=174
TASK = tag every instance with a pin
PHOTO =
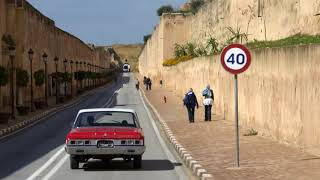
x=37, y=152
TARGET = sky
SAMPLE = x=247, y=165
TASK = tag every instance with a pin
x=105, y=22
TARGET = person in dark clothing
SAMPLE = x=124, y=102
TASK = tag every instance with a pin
x=137, y=85
x=208, y=102
x=145, y=82
x=149, y=83
x=190, y=101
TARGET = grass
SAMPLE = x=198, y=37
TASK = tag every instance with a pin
x=297, y=39
x=251, y=132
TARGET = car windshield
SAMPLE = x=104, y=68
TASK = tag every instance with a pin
x=93, y=119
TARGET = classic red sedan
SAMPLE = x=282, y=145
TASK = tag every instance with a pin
x=105, y=134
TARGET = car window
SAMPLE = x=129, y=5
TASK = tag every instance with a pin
x=92, y=119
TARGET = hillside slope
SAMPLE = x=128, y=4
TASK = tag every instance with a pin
x=130, y=52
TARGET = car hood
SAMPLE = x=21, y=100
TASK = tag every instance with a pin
x=105, y=133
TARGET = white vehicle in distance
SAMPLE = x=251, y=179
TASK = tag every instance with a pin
x=126, y=67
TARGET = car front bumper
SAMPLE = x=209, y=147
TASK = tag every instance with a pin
x=116, y=150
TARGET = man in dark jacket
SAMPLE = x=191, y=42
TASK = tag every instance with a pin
x=190, y=101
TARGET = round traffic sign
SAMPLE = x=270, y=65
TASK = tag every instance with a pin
x=235, y=58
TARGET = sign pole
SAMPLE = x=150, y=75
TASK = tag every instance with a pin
x=236, y=59
x=236, y=119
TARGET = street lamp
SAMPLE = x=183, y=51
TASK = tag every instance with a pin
x=66, y=76
x=12, y=53
x=45, y=60
x=85, y=70
x=30, y=53
x=71, y=69
x=77, y=70
x=81, y=86
x=56, y=59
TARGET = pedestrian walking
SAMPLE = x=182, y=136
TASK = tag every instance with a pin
x=207, y=93
x=149, y=83
x=137, y=85
x=190, y=101
x=145, y=82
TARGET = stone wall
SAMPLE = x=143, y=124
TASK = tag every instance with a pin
x=31, y=29
x=274, y=19
x=278, y=96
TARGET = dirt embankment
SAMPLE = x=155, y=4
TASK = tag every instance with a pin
x=130, y=52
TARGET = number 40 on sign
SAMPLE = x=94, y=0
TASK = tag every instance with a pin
x=235, y=58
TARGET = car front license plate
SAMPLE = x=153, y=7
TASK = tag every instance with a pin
x=105, y=144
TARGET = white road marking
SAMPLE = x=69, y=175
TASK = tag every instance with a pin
x=55, y=168
x=45, y=165
x=170, y=156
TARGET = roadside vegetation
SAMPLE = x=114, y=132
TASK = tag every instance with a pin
x=298, y=39
x=188, y=51
x=194, y=7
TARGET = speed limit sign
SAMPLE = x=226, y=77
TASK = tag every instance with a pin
x=235, y=58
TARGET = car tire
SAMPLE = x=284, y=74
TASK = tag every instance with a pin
x=137, y=162
x=74, y=163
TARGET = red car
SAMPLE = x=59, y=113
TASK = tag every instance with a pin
x=105, y=134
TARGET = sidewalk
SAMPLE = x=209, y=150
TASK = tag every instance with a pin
x=213, y=145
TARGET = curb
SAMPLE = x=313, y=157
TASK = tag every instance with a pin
x=39, y=117
x=190, y=162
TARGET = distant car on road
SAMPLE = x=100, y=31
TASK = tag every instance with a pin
x=105, y=134
x=126, y=67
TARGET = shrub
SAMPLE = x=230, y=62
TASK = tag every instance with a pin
x=196, y=5
x=66, y=77
x=201, y=51
x=212, y=46
x=4, y=76
x=146, y=38
x=7, y=38
x=39, y=77
x=237, y=36
x=22, y=77
x=165, y=9
x=191, y=49
x=179, y=51
x=175, y=61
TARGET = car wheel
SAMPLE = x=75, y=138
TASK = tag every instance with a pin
x=74, y=163
x=137, y=161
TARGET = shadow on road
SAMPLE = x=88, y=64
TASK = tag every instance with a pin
x=117, y=165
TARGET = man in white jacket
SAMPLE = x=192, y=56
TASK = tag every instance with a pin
x=208, y=102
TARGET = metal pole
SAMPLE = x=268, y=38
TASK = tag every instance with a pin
x=31, y=87
x=236, y=119
x=71, y=69
x=13, y=108
x=46, y=83
x=65, y=82
x=57, y=100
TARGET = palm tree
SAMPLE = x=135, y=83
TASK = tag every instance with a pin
x=237, y=36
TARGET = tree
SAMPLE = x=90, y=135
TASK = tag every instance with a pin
x=196, y=5
x=39, y=77
x=165, y=9
x=4, y=76
x=22, y=77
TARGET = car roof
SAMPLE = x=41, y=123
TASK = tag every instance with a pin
x=107, y=109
